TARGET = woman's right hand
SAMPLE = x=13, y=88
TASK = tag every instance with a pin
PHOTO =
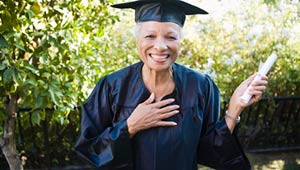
x=148, y=114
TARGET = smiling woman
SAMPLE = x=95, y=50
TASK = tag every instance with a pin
x=157, y=114
x=158, y=47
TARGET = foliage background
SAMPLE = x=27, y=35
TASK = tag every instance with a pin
x=53, y=53
x=230, y=42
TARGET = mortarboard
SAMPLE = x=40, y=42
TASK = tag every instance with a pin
x=161, y=10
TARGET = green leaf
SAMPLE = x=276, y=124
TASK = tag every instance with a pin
x=43, y=114
x=39, y=102
x=6, y=23
x=3, y=42
x=53, y=97
x=36, y=8
x=2, y=66
x=32, y=69
x=8, y=75
x=16, y=78
x=42, y=84
x=35, y=117
x=61, y=120
x=59, y=94
x=2, y=115
x=46, y=75
x=30, y=81
x=20, y=47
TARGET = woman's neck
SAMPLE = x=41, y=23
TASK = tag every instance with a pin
x=160, y=83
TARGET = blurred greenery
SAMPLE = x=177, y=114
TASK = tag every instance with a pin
x=50, y=59
x=52, y=52
x=230, y=43
x=49, y=53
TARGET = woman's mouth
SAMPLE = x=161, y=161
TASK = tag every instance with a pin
x=159, y=58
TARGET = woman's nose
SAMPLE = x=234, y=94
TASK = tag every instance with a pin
x=160, y=45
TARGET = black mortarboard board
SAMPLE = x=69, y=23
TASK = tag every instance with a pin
x=161, y=10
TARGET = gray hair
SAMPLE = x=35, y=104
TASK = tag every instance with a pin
x=138, y=27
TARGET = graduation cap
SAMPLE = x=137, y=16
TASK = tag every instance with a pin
x=161, y=10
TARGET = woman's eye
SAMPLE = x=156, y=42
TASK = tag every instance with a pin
x=149, y=36
x=172, y=38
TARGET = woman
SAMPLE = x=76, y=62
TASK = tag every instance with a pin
x=157, y=114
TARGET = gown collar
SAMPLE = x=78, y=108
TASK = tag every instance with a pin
x=173, y=94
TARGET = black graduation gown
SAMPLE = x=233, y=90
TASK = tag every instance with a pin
x=199, y=136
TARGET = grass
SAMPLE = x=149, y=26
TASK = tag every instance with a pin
x=272, y=161
x=275, y=161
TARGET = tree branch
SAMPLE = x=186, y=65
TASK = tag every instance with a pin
x=1, y=142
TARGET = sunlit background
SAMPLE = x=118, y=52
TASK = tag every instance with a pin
x=53, y=52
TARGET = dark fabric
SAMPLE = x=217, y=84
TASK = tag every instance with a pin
x=161, y=10
x=199, y=136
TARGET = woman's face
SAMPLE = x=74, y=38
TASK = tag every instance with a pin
x=158, y=44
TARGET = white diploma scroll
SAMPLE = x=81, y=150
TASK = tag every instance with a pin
x=262, y=72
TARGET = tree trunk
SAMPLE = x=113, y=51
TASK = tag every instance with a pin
x=8, y=142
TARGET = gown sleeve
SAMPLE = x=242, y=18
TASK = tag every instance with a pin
x=218, y=148
x=102, y=142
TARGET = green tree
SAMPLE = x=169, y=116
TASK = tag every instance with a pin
x=49, y=57
x=230, y=42
x=234, y=38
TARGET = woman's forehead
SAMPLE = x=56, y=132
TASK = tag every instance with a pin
x=160, y=26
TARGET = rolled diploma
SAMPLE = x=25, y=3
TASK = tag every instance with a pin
x=262, y=72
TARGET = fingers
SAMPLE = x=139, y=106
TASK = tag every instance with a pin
x=168, y=108
x=163, y=103
x=158, y=104
x=258, y=86
x=259, y=79
x=168, y=114
x=250, y=79
x=166, y=123
x=255, y=78
x=257, y=90
x=148, y=114
x=265, y=78
x=150, y=99
x=255, y=81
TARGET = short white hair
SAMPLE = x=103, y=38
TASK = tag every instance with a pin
x=138, y=27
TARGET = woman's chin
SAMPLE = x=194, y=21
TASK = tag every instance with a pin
x=158, y=66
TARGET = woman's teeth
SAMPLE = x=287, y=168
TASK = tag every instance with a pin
x=159, y=56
